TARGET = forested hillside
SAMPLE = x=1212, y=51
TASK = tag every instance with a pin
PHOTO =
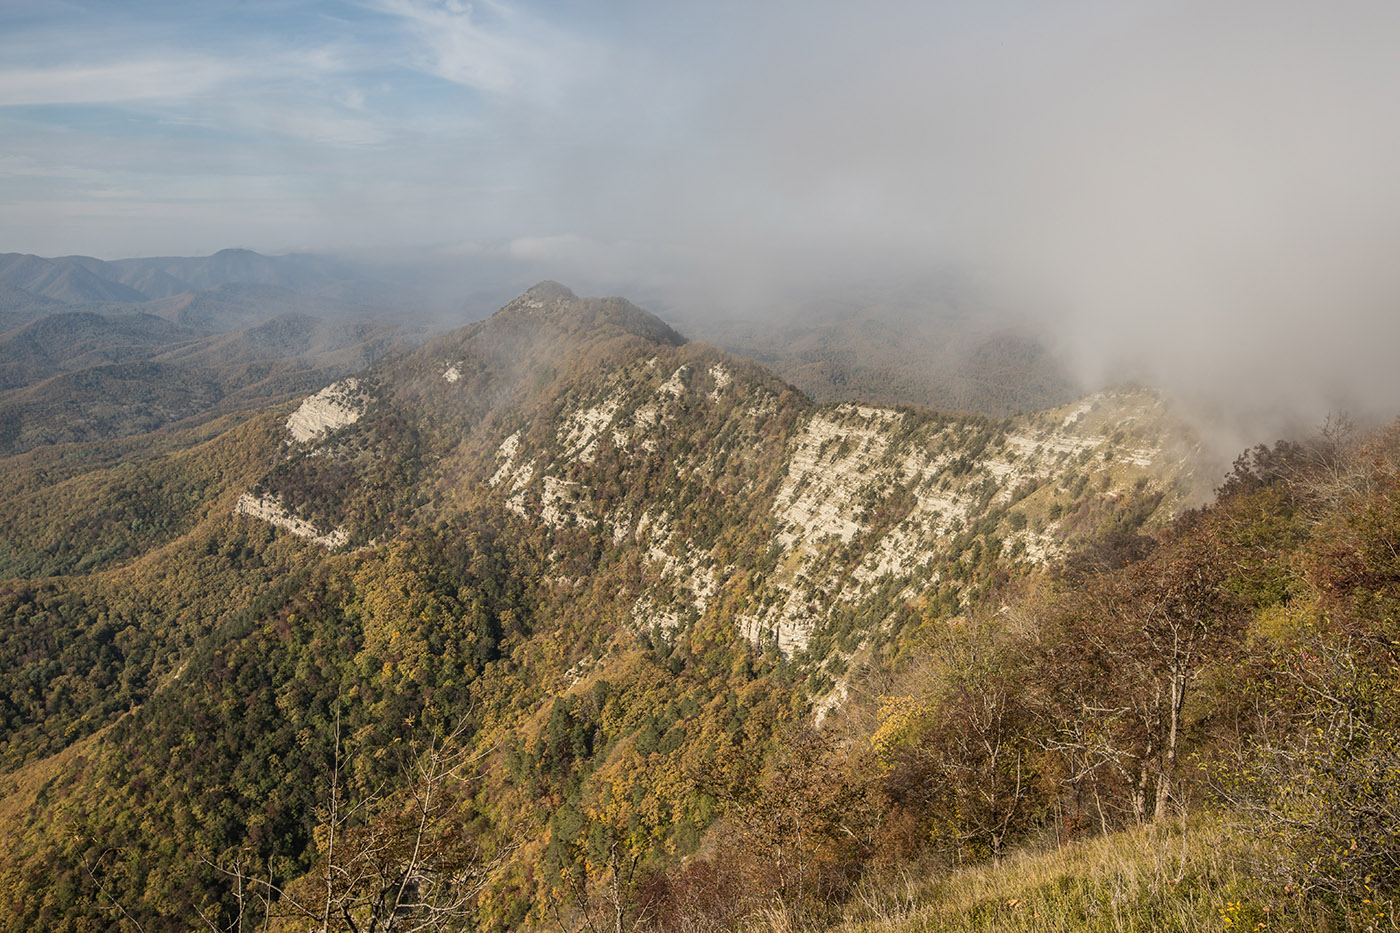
x=562, y=621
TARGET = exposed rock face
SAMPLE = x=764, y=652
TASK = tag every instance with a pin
x=810, y=529
x=874, y=503
x=272, y=510
x=335, y=406
x=828, y=467
x=852, y=466
x=561, y=501
x=580, y=434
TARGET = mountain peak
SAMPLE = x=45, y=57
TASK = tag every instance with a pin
x=546, y=292
x=563, y=308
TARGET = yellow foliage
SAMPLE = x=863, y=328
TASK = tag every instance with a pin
x=898, y=715
x=1283, y=623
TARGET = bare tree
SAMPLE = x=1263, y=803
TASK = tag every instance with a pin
x=1125, y=655
x=602, y=894
x=1321, y=783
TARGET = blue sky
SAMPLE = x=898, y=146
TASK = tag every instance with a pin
x=641, y=134
x=152, y=127
x=624, y=131
x=132, y=128
x=1210, y=187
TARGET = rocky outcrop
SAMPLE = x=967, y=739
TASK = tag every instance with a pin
x=876, y=507
x=271, y=510
x=808, y=527
x=335, y=406
x=893, y=495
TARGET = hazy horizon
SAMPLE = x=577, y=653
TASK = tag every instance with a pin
x=1201, y=197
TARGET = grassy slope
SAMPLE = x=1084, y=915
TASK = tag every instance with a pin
x=1189, y=877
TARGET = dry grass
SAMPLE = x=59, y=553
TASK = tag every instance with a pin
x=1191, y=877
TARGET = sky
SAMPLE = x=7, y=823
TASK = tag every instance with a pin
x=1200, y=194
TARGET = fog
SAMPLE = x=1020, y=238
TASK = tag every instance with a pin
x=1199, y=196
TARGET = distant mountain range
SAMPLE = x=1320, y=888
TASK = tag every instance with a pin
x=91, y=349
x=883, y=343
x=77, y=279
x=892, y=343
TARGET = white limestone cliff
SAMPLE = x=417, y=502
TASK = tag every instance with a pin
x=337, y=405
x=271, y=510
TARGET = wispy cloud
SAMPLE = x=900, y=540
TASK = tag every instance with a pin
x=490, y=46
x=307, y=94
x=149, y=79
x=333, y=126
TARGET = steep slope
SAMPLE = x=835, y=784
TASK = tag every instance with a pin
x=610, y=564
x=665, y=448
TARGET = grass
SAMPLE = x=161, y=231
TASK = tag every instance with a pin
x=1189, y=876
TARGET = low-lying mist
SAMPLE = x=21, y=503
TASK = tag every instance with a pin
x=1197, y=197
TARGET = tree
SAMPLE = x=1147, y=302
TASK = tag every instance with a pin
x=1319, y=774
x=802, y=830
x=1322, y=783
x=964, y=756
x=407, y=861
x=1123, y=653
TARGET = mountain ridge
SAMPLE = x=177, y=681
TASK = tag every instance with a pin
x=622, y=559
x=844, y=461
